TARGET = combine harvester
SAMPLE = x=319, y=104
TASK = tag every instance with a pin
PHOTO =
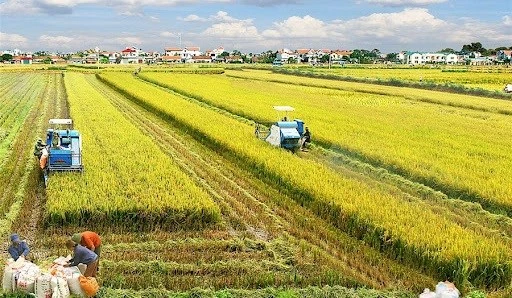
x=284, y=133
x=63, y=148
x=508, y=88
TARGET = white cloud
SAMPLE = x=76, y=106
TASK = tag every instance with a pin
x=223, y=17
x=270, y=2
x=404, y=2
x=51, y=40
x=507, y=20
x=231, y=30
x=192, y=18
x=129, y=40
x=10, y=41
x=168, y=34
x=126, y=7
x=305, y=27
x=226, y=26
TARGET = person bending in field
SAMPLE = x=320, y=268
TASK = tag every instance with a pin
x=38, y=148
x=18, y=248
x=82, y=255
x=306, y=139
x=90, y=240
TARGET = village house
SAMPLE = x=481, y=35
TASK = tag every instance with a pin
x=188, y=52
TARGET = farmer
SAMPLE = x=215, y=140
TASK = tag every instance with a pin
x=90, y=240
x=38, y=147
x=18, y=247
x=82, y=255
x=306, y=139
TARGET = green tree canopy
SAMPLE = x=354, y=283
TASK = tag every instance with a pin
x=6, y=57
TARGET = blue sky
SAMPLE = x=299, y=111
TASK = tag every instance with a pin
x=254, y=25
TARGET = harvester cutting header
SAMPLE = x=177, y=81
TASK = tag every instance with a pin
x=63, y=148
x=288, y=134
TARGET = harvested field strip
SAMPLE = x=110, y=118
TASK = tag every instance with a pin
x=310, y=292
x=436, y=97
x=21, y=140
x=110, y=189
x=28, y=221
x=218, y=275
x=23, y=169
x=469, y=158
x=188, y=251
x=17, y=103
x=393, y=225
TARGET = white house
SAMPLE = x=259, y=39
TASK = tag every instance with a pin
x=285, y=54
x=305, y=55
x=502, y=55
x=131, y=55
x=215, y=54
x=453, y=59
x=188, y=52
x=415, y=58
x=170, y=51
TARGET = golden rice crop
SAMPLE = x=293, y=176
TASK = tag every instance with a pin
x=127, y=180
x=409, y=232
x=460, y=151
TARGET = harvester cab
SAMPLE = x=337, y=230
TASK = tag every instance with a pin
x=64, y=148
x=283, y=133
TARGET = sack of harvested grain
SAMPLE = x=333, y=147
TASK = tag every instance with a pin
x=43, y=286
x=59, y=287
x=27, y=277
x=89, y=285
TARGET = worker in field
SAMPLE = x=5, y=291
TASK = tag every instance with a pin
x=38, y=148
x=18, y=247
x=306, y=139
x=90, y=240
x=82, y=255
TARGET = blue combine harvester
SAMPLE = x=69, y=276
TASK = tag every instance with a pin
x=284, y=133
x=64, y=148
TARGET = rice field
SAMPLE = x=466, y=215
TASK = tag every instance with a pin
x=189, y=204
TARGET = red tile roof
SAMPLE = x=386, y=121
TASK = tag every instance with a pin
x=169, y=58
x=201, y=57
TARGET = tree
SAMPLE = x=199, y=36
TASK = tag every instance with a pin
x=6, y=57
x=268, y=56
x=47, y=60
x=448, y=51
x=236, y=53
x=41, y=53
x=363, y=56
x=393, y=57
x=224, y=54
x=292, y=60
x=324, y=58
x=473, y=47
